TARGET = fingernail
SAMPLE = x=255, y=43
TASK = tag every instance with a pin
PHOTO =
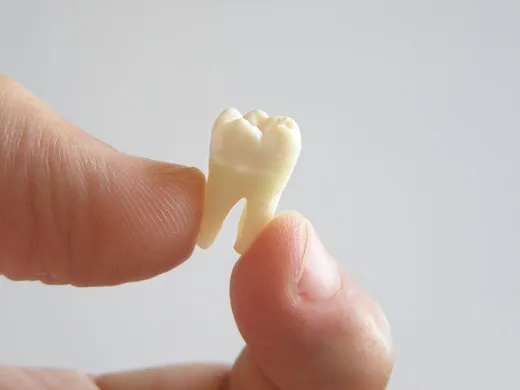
x=383, y=328
x=320, y=278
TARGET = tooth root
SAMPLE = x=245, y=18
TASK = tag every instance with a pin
x=255, y=216
x=222, y=193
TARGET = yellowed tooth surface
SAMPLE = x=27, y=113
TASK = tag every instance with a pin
x=251, y=157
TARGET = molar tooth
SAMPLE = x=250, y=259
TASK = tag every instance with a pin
x=251, y=157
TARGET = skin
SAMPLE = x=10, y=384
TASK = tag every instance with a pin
x=75, y=211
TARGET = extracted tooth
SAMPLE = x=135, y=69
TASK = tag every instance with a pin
x=251, y=157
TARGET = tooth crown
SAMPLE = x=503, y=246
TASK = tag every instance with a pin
x=255, y=142
x=251, y=157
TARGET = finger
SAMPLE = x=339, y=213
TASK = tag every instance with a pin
x=75, y=211
x=16, y=378
x=194, y=377
x=186, y=377
x=307, y=325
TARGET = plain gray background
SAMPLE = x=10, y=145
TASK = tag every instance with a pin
x=410, y=118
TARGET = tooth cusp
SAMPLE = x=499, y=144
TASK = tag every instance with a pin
x=256, y=118
x=228, y=115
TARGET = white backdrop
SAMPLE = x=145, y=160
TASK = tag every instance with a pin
x=411, y=129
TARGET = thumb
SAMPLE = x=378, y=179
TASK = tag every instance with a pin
x=75, y=211
x=306, y=324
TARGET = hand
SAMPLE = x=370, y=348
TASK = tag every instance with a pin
x=75, y=211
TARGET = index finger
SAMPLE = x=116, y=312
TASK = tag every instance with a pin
x=75, y=211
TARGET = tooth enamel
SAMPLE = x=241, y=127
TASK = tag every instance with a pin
x=251, y=157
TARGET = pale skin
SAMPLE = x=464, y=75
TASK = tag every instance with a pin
x=75, y=211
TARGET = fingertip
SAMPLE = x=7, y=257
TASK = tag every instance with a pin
x=151, y=219
x=298, y=310
x=264, y=280
x=184, y=188
x=79, y=212
x=273, y=261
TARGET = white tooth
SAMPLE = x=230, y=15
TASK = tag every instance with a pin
x=251, y=157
